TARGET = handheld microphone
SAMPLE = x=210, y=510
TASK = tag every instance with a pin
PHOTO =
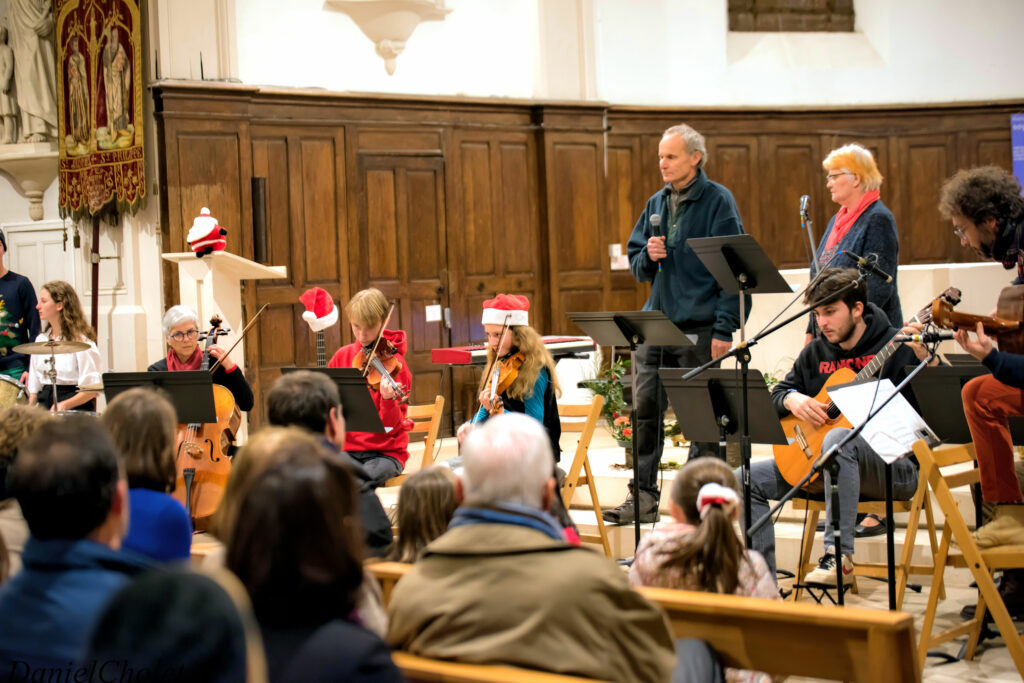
x=869, y=266
x=925, y=338
x=805, y=202
x=656, y=229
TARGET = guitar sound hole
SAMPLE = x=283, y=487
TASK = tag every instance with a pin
x=833, y=411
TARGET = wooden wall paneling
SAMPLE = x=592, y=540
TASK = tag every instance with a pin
x=624, y=202
x=787, y=163
x=925, y=162
x=402, y=223
x=733, y=161
x=986, y=148
x=577, y=232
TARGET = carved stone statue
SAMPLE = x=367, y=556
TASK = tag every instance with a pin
x=78, y=96
x=117, y=82
x=8, y=104
x=32, y=35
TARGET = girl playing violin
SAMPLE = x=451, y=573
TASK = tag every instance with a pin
x=534, y=387
x=382, y=455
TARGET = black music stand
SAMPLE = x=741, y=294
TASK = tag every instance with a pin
x=631, y=328
x=739, y=266
x=190, y=391
x=356, y=405
x=937, y=392
x=709, y=407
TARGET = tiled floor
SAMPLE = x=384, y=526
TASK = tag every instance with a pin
x=991, y=663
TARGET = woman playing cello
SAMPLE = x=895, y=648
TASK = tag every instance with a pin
x=533, y=388
x=382, y=455
x=181, y=330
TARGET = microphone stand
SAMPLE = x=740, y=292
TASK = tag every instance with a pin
x=807, y=226
x=828, y=461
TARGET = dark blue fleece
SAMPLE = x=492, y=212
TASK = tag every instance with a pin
x=685, y=291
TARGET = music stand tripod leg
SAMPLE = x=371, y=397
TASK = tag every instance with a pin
x=837, y=546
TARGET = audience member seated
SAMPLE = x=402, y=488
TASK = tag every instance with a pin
x=73, y=494
x=262, y=449
x=178, y=626
x=17, y=424
x=310, y=400
x=426, y=503
x=297, y=548
x=502, y=585
x=142, y=424
x=700, y=550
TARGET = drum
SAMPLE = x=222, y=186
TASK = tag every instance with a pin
x=11, y=392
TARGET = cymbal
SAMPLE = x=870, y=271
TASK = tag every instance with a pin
x=48, y=347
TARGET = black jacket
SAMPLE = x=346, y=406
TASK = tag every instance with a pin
x=819, y=359
x=233, y=381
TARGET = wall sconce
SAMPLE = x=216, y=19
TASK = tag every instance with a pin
x=389, y=23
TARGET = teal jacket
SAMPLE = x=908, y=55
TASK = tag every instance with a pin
x=685, y=291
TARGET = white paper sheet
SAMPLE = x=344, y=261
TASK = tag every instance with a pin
x=893, y=431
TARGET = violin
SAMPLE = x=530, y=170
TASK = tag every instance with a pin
x=504, y=375
x=379, y=362
x=1007, y=326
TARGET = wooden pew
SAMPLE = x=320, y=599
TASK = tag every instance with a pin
x=416, y=669
x=793, y=639
x=783, y=639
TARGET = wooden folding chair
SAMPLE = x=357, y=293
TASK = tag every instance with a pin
x=981, y=563
x=579, y=471
x=878, y=570
x=426, y=419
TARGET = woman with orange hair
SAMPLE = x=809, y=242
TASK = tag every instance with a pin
x=863, y=225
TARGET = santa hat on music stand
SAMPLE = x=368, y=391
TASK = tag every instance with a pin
x=506, y=305
x=320, y=312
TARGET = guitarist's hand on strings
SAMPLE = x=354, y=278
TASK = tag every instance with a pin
x=216, y=353
x=805, y=408
x=980, y=347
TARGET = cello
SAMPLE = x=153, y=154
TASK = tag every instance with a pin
x=203, y=464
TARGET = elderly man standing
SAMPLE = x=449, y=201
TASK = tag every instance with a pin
x=688, y=206
x=503, y=586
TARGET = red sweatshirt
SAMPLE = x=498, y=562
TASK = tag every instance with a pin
x=395, y=442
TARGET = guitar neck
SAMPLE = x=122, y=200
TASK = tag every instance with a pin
x=321, y=354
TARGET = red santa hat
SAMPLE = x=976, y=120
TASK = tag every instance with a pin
x=512, y=306
x=320, y=312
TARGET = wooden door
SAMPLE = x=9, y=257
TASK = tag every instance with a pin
x=402, y=251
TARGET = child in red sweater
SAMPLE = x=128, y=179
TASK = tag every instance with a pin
x=382, y=455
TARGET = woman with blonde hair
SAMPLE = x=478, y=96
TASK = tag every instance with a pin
x=863, y=225
x=535, y=388
x=61, y=312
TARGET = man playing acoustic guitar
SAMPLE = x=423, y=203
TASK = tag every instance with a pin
x=853, y=331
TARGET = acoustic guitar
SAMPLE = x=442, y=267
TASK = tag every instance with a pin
x=1006, y=326
x=796, y=459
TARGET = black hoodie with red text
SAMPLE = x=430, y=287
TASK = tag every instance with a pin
x=819, y=359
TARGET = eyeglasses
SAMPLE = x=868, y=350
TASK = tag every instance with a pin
x=182, y=336
x=833, y=176
x=960, y=234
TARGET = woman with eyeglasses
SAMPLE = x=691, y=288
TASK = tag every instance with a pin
x=181, y=330
x=863, y=225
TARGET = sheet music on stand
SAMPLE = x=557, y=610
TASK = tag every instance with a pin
x=894, y=430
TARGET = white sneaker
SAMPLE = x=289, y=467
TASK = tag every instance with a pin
x=825, y=574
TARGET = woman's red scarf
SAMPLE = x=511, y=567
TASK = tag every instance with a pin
x=193, y=362
x=846, y=218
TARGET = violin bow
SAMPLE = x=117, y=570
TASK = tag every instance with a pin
x=240, y=337
x=380, y=334
x=501, y=340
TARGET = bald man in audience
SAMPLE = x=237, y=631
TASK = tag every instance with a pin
x=73, y=493
x=502, y=586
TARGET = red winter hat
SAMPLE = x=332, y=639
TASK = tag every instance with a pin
x=513, y=306
x=321, y=312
